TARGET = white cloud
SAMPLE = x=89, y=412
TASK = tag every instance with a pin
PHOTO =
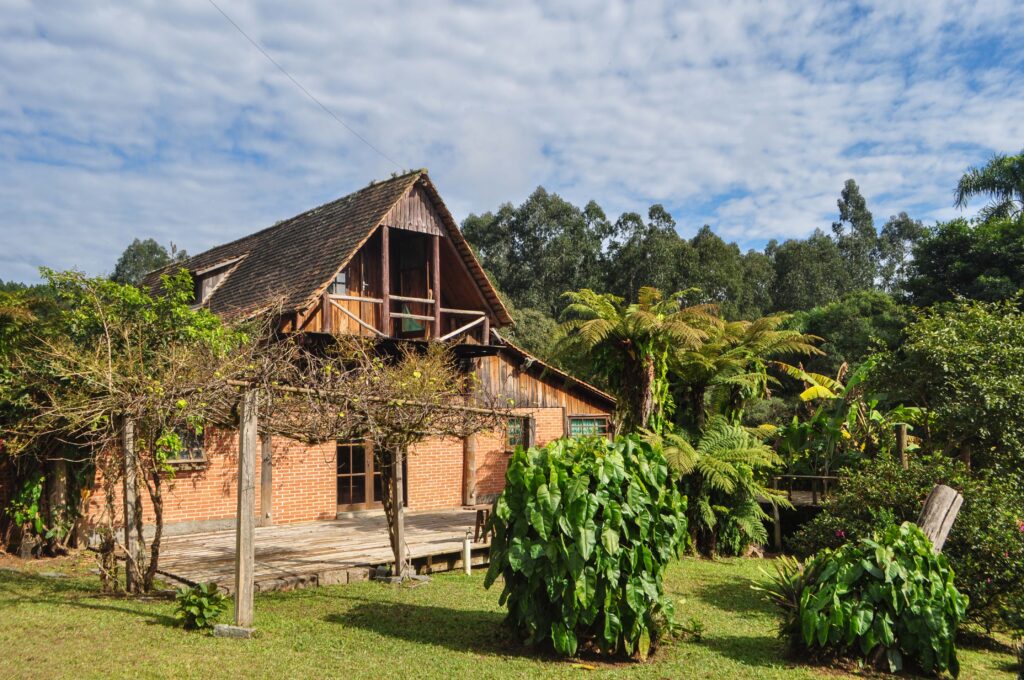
x=159, y=119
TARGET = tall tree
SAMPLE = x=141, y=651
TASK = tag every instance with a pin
x=541, y=248
x=808, y=272
x=647, y=254
x=755, y=295
x=142, y=257
x=856, y=237
x=957, y=258
x=895, y=245
x=1002, y=179
x=718, y=273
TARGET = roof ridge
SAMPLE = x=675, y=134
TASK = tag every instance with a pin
x=374, y=184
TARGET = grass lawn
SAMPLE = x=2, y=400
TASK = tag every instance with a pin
x=53, y=625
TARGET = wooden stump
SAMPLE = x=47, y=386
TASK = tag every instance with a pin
x=938, y=514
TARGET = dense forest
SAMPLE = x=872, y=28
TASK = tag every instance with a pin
x=851, y=285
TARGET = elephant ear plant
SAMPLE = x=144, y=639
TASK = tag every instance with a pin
x=584, y=531
x=886, y=598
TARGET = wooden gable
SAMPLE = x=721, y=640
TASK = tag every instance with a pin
x=415, y=212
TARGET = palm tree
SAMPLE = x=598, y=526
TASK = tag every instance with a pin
x=1002, y=178
x=732, y=366
x=720, y=472
x=629, y=345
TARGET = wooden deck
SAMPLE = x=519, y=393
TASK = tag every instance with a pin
x=321, y=553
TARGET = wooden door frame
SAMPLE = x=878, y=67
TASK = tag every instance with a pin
x=369, y=470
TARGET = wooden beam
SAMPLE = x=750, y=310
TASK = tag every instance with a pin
x=406, y=298
x=463, y=329
x=358, y=320
x=326, y=317
x=356, y=298
x=466, y=312
x=385, y=276
x=130, y=494
x=417, y=317
x=245, y=525
x=266, y=481
x=436, y=262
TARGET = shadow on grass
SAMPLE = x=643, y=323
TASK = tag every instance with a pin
x=18, y=588
x=740, y=597
x=461, y=630
x=755, y=651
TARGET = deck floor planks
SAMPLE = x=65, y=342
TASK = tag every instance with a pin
x=304, y=550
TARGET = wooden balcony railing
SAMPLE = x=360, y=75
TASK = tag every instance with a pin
x=479, y=318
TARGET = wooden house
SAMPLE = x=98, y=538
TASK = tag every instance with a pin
x=388, y=262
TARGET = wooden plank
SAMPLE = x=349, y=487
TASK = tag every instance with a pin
x=462, y=329
x=404, y=298
x=399, y=510
x=245, y=546
x=385, y=280
x=417, y=317
x=357, y=298
x=326, y=317
x=359, y=321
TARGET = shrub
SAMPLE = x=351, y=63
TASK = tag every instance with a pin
x=985, y=546
x=199, y=606
x=584, y=530
x=889, y=595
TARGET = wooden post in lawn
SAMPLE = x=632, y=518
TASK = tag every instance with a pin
x=245, y=531
x=130, y=493
x=398, y=501
x=939, y=512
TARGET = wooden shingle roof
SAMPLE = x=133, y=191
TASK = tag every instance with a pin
x=288, y=265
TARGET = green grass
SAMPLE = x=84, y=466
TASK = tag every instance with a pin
x=449, y=628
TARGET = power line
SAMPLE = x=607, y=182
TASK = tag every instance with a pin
x=304, y=90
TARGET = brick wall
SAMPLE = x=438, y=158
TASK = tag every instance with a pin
x=435, y=474
x=303, y=481
x=492, y=456
x=304, y=477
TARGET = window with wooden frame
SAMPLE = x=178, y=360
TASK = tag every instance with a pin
x=340, y=284
x=518, y=432
x=192, y=445
x=589, y=426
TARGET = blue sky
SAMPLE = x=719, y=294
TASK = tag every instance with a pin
x=157, y=119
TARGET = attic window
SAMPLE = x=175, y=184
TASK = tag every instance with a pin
x=207, y=280
x=340, y=284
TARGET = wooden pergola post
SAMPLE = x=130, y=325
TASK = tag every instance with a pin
x=130, y=493
x=245, y=531
x=398, y=500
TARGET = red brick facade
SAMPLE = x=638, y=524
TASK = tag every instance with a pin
x=304, y=477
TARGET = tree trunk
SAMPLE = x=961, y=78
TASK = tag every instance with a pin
x=939, y=513
x=390, y=462
x=157, y=497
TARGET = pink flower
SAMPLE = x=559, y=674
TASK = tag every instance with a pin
x=842, y=534
x=1021, y=527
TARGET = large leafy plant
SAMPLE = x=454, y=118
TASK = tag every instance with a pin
x=985, y=546
x=584, y=531
x=890, y=596
x=722, y=472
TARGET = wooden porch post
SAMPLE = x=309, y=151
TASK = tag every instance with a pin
x=131, y=540
x=399, y=505
x=326, y=314
x=385, y=275
x=245, y=529
x=436, y=266
x=469, y=470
